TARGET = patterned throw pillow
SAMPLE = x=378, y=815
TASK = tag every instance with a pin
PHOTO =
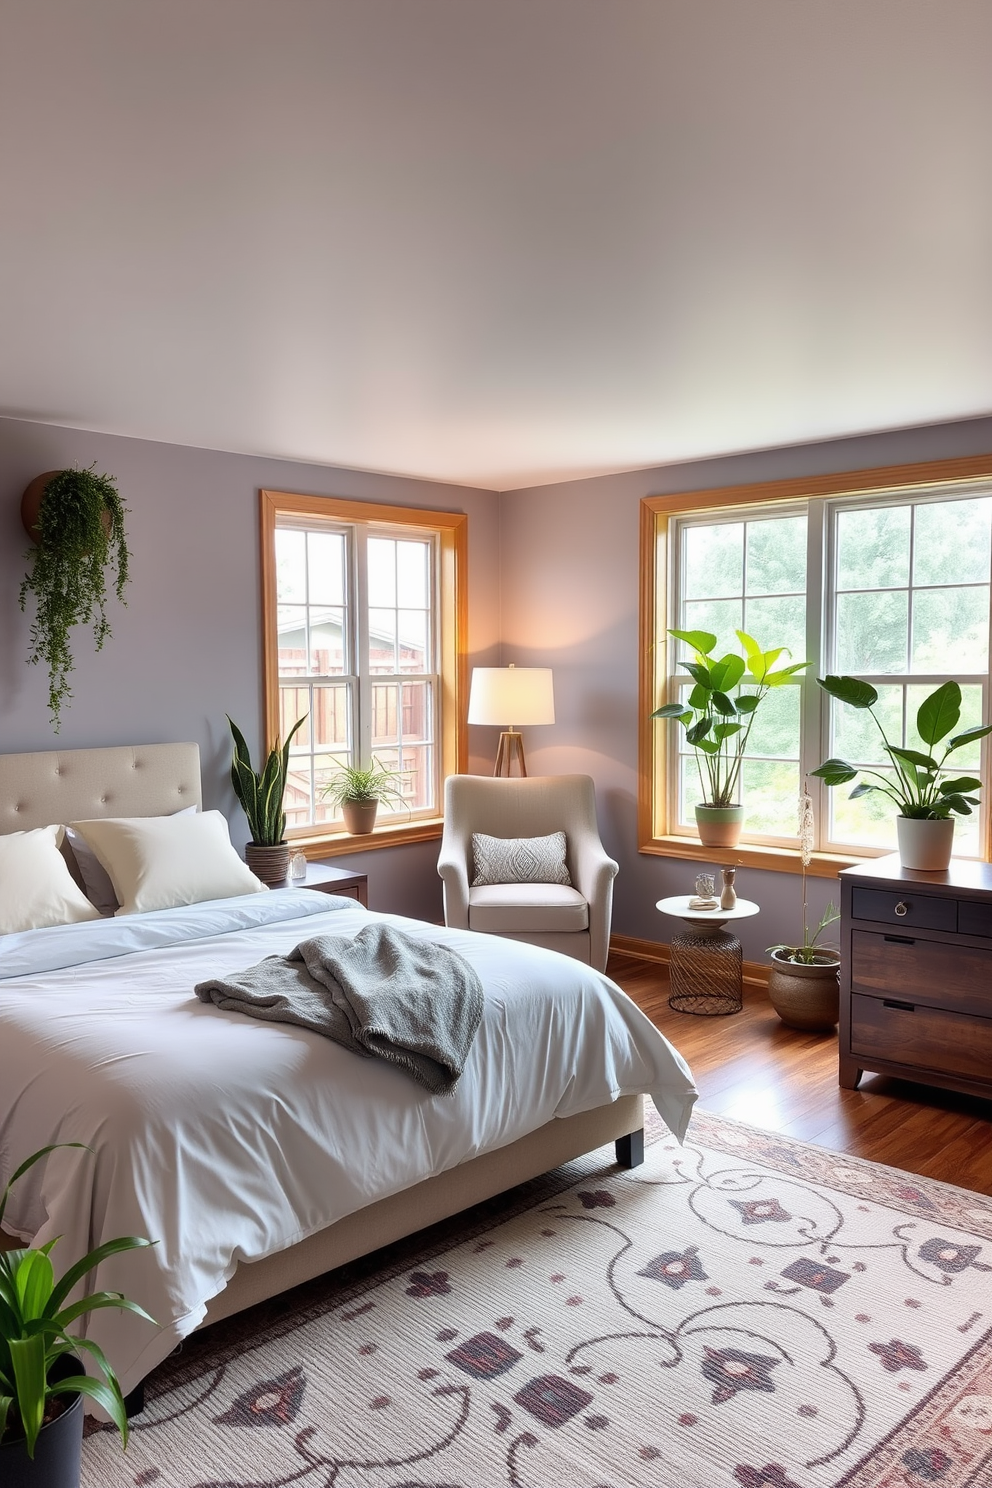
x=504, y=860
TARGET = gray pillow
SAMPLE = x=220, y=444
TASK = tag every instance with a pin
x=506, y=860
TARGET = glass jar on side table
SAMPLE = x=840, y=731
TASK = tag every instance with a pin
x=706, y=969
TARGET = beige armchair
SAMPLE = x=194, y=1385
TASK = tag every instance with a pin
x=575, y=921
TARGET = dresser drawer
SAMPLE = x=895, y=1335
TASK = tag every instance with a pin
x=925, y=911
x=941, y=975
x=897, y=1031
x=974, y=917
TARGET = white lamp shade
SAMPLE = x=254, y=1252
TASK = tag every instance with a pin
x=505, y=696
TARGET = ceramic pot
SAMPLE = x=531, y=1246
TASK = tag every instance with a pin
x=806, y=997
x=359, y=816
x=719, y=826
x=925, y=845
x=58, y=1450
x=269, y=863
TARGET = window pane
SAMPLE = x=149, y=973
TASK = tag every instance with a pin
x=771, y=797
x=330, y=716
x=385, y=716
x=291, y=574
x=382, y=571
x=780, y=621
x=872, y=632
x=867, y=822
x=326, y=552
x=413, y=641
x=294, y=703
x=382, y=641
x=873, y=547
x=292, y=623
x=951, y=630
x=325, y=767
x=326, y=643
x=775, y=730
x=776, y=556
x=952, y=542
x=714, y=560
x=854, y=735
x=412, y=574
x=721, y=617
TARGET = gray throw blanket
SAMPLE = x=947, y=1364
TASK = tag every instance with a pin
x=382, y=994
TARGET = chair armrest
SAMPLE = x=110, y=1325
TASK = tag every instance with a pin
x=454, y=876
x=594, y=873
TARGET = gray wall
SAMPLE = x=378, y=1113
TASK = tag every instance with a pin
x=187, y=649
x=569, y=567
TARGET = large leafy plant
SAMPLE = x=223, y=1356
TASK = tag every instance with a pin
x=34, y=1324
x=80, y=535
x=917, y=782
x=261, y=793
x=718, y=714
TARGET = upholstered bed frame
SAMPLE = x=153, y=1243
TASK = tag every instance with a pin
x=155, y=779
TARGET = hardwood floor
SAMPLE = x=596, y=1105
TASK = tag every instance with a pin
x=750, y=1066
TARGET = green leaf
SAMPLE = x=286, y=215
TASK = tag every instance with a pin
x=747, y=702
x=35, y=1281
x=863, y=788
x=698, y=732
x=954, y=802
x=785, y=674
x=725, y=730
x=914, y=757
x=970, y=736
x=98, y=1390
x=835, y=772
x=97, y=1301
x=699, y=640
x=672, y=710
x=89, y=1263
x=699, y=698
x=708, y=746
x=849, y=690
x=28, y=1359
x=727, y=672
x=960, y=783
x=699, y=673
x=752, y=650
x=939, y=713
x=723, y=704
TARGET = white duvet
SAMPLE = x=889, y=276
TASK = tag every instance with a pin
x=225, y=1138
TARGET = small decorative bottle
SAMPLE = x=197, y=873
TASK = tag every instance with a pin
x=728, y=899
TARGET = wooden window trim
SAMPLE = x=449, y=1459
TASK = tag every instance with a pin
x=451, y=529
x=657, y=514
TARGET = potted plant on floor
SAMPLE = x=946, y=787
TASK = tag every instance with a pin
x=357, y=791
x=718, y=716
x=76, y=520
x=261, y=796
x=803, y=985
x=917, y=784
x=42, y=1380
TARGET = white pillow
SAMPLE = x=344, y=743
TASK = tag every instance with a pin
x=96, y=880
x=160, y=862
x=36, y=887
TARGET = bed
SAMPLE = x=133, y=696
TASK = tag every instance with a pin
x=261, y=1155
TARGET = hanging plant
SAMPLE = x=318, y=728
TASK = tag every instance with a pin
x=77, y=521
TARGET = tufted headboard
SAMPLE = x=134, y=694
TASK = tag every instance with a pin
x=64, y=785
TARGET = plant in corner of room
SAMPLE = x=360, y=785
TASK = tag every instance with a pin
x=719, y=713
x=79, y=531
x=803, y=987
x=34, y=1336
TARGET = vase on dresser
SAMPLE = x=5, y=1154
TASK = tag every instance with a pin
x=925, y=843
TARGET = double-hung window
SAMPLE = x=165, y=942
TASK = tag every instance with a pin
x=882, y=575
x=362, y=637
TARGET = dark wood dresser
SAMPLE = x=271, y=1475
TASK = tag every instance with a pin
x=916, y=974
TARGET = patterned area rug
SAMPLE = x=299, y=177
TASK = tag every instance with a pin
x=746, y=1312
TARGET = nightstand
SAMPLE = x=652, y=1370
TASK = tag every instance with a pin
x=330, y=880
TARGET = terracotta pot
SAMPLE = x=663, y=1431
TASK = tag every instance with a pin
x=58, y=1450
x=719, y=826
x=359, y=816
x=806, y=997
x=270, y=863
x=31, y=504
x=925, y=845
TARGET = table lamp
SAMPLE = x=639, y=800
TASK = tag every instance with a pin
x=499, y=694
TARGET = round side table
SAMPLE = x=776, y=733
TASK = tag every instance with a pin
x=706, y=968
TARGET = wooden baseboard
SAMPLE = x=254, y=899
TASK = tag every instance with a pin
x=755, y=973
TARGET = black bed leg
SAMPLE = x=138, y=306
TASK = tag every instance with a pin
x=630, y=1149
x=134, y=1403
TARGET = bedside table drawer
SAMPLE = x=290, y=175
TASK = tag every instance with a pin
x=896, y=1030
x=925, y=911
x=900, y=965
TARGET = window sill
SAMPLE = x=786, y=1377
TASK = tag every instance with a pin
x=745, y=855
x=331, y=844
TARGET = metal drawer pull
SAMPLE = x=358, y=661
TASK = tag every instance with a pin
x=902, y=908
x=899, y=939
x=903, y=1007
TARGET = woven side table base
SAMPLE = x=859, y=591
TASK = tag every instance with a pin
x=706, y=972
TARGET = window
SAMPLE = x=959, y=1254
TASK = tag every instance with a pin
x=362, y=612
x=884, y=575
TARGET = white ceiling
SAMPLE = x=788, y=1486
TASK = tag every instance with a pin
x=495, y=241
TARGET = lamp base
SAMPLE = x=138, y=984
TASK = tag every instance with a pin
x=511, y=747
